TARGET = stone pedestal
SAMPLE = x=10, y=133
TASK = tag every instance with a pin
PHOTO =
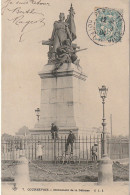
x=61, y=100
x=105, y=173
x=22, y=178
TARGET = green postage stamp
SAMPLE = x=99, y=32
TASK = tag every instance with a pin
x=105, y=26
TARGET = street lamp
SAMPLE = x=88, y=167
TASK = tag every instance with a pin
x=105, y=174
x=103, y=94
x=37, y=111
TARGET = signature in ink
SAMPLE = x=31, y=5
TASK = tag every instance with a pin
x=7, y=4
x=25, y=16
x=18, y=10
x=19, y=21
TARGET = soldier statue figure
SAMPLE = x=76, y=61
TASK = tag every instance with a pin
x=61, y=48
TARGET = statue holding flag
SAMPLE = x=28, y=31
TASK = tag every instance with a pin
x=63, y=31
x=60, y=32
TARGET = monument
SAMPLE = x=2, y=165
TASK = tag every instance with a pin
x=62, y=80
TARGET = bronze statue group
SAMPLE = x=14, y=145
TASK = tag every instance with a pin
x=61, y=48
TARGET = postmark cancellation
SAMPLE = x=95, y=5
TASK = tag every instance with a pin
x=105, y=26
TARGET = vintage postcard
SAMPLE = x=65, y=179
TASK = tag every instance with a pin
x=65, y=97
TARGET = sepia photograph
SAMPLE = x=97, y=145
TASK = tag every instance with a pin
x=65, y=97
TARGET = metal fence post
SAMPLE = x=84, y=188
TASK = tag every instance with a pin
x=101, y=145
x=54, y=148
x=90, y=149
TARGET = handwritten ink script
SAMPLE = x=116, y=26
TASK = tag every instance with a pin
x=27, y=15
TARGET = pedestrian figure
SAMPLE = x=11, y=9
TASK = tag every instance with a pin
x=94, y=152
x=39, y=150
x=70, y=140
x=54, y=131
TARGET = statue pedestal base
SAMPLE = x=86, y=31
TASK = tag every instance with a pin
x=61, y=100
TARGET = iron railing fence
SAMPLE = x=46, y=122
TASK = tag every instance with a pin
x=11, y=149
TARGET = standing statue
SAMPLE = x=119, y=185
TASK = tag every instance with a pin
x=61, y=48
x=60, y=33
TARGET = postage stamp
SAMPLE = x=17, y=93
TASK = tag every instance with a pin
x=105, y=26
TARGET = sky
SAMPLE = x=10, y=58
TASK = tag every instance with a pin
x=21, y=62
